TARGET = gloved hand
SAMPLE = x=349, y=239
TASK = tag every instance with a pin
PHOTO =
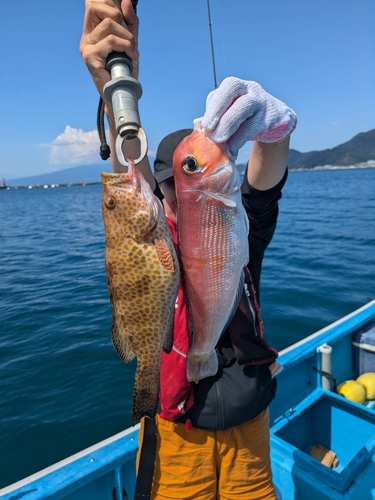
x=240, y=111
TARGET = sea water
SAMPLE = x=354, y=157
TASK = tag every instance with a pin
x=62, y=386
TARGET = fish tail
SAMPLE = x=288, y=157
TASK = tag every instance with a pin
x=145, y=394
x=199, y=367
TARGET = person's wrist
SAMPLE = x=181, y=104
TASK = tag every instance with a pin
x=108, y=109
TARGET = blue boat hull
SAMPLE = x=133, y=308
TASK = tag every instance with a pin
x=302, y=415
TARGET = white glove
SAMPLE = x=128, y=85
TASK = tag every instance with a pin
x=240, y=111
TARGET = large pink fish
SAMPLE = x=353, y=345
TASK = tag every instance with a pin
x=213, y=231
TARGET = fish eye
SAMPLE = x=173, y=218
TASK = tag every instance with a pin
x=190, y=164
x=110, y=202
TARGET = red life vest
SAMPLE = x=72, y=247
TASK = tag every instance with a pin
x=176, y=393
x=248, y=347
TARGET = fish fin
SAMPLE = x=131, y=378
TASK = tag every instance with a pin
x=228, y=202
x=198, y=368
x=247, y=222
x=121, y=342
x=236, y=301
x=169, y=338
x=164, y=254
x=225, y=201
x=145, y=392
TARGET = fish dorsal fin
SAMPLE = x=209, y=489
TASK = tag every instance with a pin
x=164, y=254
x=121, y=342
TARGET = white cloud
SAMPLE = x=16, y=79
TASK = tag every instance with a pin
x=334, y=124
x=74, y=147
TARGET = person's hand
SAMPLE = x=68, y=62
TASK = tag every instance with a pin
x=239, y=111
x=106, y=29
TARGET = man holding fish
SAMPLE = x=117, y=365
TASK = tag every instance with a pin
x=216, y=383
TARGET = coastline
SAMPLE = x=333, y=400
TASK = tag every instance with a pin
x=51, y=186
x=368, y=164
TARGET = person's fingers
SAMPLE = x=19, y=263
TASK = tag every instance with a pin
x=130, y=16
x=113, y=34
x=96, y=12
x=243, y=108
x=219, y=100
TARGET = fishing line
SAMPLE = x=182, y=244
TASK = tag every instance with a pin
x=220, y=34
x=212, y=44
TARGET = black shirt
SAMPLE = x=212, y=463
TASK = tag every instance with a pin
x=237, y=394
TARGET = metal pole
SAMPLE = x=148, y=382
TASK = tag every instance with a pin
x=212, y=44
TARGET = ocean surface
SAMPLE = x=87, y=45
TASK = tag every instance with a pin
x=62, y=386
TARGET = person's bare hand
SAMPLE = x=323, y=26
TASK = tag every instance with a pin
x=106, y=29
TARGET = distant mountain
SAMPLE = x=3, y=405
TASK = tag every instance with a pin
x=83, y=173
x=360, y=149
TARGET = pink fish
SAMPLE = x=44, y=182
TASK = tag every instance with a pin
x=213, y=240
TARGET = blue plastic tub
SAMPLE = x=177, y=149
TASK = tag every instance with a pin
x=331, y=421
x=363, y=343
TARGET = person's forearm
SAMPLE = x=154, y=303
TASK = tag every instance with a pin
x=267, y=164
x=131, y=150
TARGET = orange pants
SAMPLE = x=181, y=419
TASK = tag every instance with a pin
x=233, y=464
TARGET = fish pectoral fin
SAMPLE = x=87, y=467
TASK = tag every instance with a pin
x=216, y=196
x=225, y=201
x=236, y=299
x=168, y=340
x=247, y=222
x=199, y=367
x=121, y=342
x=164, y=254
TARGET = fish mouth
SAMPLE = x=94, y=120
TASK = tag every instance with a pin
x=112, y=179
x=125, y=182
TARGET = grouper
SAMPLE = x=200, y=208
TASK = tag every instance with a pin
x=143, y=279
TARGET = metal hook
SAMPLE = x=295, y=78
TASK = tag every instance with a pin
x=120, y=154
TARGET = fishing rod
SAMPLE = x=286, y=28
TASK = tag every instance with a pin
x=212, y=44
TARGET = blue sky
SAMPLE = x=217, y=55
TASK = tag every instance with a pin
x=316, y=55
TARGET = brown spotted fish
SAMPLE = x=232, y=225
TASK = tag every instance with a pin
x=143, y=279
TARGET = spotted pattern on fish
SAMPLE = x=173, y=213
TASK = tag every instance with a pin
x=143, y=279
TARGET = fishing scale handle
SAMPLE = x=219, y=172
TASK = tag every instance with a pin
x=123, y=91
x=117, y=56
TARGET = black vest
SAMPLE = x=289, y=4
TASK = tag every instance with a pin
x=243, y=386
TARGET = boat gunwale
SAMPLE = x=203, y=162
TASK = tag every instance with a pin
x=62, y=464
